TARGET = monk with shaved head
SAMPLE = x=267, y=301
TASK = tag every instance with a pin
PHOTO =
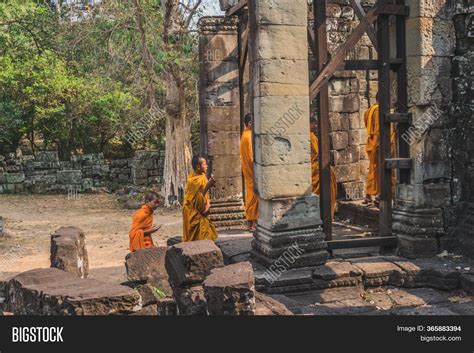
x=142, y=225
x=197, y=204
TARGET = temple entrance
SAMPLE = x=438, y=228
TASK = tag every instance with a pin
x=346, y=69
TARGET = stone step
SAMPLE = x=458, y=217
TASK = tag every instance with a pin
x=219, y=203
x=50, y=291
x=226, y=216
x=227, y=209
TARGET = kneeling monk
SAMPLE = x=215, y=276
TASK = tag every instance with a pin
x=196, y=206
x=315, y=167
x=142, y=226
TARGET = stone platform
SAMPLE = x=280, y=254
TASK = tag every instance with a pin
x=49, y=291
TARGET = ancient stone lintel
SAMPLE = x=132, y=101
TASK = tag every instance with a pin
x=209, y=25
x=417, y=230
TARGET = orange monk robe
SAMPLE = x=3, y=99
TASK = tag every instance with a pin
x=315, y=173
x=142, y=220
x=372, y=148
x=197, y=226
x=246, y=159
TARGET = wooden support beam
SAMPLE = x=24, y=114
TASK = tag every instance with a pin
x=319, y=7
x=403, y=118
x=385, y=181
x=402, y=93
x=244, y=47
x=312, y=43
x=360, y=13
x=397, y=10
x=341, y=53
x=390, y=241
x=398, y=163
x=235, y=9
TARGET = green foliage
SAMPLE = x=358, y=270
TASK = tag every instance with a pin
x=84, y=84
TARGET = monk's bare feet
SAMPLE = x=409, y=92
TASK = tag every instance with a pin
x=377, y=202
x=367, y=200
x=254, y=226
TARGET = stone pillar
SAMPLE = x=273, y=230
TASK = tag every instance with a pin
x=423, y=204
x=220, y=117
x=289, y=212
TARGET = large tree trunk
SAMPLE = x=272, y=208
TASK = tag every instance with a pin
x=178, y=131
x=178, y=143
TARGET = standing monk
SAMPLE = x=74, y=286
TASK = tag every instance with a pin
x=246, y=159
x=315, y=167
x=142, y=224
x=371, y=118
x=196, y=206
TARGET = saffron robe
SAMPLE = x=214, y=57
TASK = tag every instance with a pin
x=197, y=226
x=246, y=159
x=371, y=118
x=142, y=220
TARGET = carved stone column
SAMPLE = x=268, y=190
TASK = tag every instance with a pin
x=219, y=108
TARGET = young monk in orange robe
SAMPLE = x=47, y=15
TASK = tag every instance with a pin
x=196, y=206
x=315, y=167
x=246, y=159
x=371, y=118
x=142, y=225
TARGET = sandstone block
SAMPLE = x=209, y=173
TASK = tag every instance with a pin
x=230, y=290
x=148, y=266
x=68, y=251
x=49, y=291
x=282, y=150
x=297, y=180
x=189, y=263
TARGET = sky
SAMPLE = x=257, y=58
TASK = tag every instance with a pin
x=211, y=8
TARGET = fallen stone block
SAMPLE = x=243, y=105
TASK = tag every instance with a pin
x=49, y=291
x=167, y=307
x=190, y=263
x=230, y=290
x=162, y=303
x=377, y=271
x=266, y=305
x=68, y=251
x=191, y=301
x=148, y=266
x=174, y=240
x=467, y=283
x=433, y=273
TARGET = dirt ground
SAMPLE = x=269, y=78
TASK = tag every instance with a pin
x=31, y=219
